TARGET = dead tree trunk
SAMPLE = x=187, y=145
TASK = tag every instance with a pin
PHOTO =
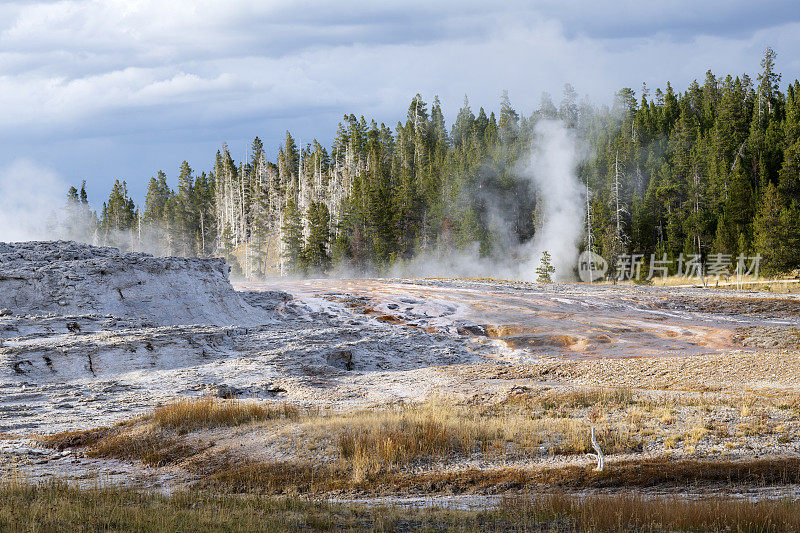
x=601, y=461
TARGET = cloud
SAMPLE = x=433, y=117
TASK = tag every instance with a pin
x=159, y=77
x=676, y=20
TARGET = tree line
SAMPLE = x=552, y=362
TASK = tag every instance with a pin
x=714, y=169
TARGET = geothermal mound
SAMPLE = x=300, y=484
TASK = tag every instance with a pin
x=70, y=278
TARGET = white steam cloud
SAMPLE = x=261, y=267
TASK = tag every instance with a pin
x=550, y=169
x=34, y=207
x=30, y=197
x=553, y=169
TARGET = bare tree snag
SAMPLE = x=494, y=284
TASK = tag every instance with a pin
x=601, y=461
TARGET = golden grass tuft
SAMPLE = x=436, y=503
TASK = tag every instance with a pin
x=577, y=399
x=229, y=474
x=370, y=442
x=696, y=434
x=152, y=438
x=398, y=440
x=152, y=447
x=208, y=412
x=74, y=439
x=636, y=512
x=612, y=440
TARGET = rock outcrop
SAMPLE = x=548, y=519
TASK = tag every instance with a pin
x=70, y=278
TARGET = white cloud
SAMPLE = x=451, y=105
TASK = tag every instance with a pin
x=116, y=68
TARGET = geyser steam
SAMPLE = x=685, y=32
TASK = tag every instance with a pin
x=30, y=197
x=552, y=168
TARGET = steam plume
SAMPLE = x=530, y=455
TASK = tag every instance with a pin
x=552, y=167
x=30, y=196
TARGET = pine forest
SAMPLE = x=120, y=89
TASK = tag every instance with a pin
x=713, y=168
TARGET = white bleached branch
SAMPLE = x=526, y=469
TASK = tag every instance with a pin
x=598, y=455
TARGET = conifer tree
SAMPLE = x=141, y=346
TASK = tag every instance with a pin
x=292, y=230
x=545, y=271
x=317, y=253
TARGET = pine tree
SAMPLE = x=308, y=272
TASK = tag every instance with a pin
x=204, y=202
x=568, y=110
x=84, y=197
x=317, y=255
x=185, y=216
x=789, y=175
x=292, y=230
x=769, y=235
x=119, y=217
x=158, y=213
x=463, y=126
x=545, y=270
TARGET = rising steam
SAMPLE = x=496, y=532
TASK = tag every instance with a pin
x=553, y=170
x=550, y=169
x=34, y=207
x=30, y=198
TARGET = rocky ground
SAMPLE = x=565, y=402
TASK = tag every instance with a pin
x=66, y=278
x=90, y=337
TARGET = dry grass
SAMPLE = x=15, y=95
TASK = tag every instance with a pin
x=634, y=512
x=789, y=402
x=613, y=440
x=228, y=475
x=774, y=284
x=155, y=439
x=629, y=474
x=191, y=414
x=151, y=447
x=59, y=507
x=231, y=474
x=578, y=399
x=373, y=441
x=405, y=440
x=74, y=439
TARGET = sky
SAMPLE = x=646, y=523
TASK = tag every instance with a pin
x=107, y=89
